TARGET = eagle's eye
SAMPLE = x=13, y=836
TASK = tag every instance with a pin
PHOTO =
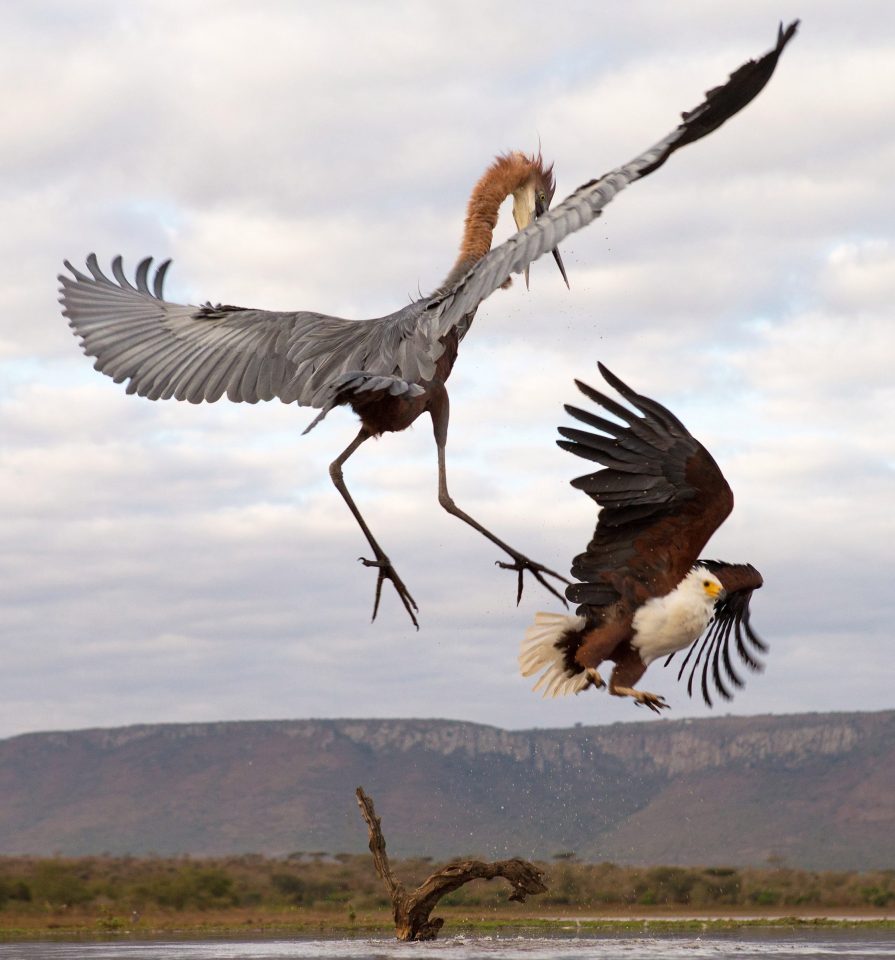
x=706, y=583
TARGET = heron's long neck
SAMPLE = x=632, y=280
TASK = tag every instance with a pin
x=506, y=175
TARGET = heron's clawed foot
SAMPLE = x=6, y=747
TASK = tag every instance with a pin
x=652, y=700
x=388, y=572
x=520, y=564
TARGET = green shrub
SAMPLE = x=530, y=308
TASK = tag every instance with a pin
x=766, y=898
x=877, y=897
x=58, y=884
x=191, y=888
x=11, y=889
x=116, y=886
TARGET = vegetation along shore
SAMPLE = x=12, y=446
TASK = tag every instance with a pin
x=321, y=894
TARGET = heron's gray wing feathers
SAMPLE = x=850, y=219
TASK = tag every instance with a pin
x=330, y=353
x=453, y=307
x=200, y=353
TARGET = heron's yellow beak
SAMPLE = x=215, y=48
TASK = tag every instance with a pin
x=527, y=207
x=524, y=207
x=542, y=208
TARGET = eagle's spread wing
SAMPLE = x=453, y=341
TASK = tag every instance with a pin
x=710, y=656
x=580, y=208
x=661, y=493
x=198, y=354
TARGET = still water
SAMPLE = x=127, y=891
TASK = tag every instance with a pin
x=768, y=945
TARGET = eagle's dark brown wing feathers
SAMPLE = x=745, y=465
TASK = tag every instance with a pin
x=610, y=453
x=662, y=425
x=714, y=639
x=595, y=595
x=654, y=466
x=736, y=577
x=652, y=449
x=661, y=494
x=722, y=654
x=646, y=406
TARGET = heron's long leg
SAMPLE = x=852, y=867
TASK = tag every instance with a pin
x=440, y=411
x=386, y=570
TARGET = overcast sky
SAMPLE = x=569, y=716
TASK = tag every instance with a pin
x=168, y=562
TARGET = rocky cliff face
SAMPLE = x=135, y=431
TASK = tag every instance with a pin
x=817, y=789
x=670, y=748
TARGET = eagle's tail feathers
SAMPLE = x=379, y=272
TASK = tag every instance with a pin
x=540, y=653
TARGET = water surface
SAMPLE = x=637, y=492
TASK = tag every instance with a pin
x=762, y=945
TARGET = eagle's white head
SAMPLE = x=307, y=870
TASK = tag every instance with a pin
x=701, y=582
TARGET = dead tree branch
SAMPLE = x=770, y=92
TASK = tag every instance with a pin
x=411, y=910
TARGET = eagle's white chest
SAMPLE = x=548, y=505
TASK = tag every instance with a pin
x=666, y=624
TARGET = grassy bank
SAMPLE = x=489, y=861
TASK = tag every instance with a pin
x=321, y=895
x=80, y=925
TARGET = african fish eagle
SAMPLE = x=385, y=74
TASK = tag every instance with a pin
x=643, y=593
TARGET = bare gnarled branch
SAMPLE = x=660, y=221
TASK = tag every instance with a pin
x=411, y=910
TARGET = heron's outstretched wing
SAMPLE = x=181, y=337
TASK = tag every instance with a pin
x=661, y=493
x=710, y=656
x=580, y=208
x=198, y=354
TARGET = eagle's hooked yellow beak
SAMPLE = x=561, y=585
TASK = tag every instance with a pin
x=713, y=589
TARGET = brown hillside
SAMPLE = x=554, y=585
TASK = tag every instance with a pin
x=815, y=790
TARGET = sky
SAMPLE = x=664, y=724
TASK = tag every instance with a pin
x=164, y=562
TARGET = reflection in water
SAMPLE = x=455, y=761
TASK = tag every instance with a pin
x=822, y=945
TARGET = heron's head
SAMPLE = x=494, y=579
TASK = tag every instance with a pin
x=532, y=199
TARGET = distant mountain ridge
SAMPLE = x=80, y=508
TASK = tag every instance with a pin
x=812, y=790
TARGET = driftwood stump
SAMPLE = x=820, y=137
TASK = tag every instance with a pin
x=411, y=910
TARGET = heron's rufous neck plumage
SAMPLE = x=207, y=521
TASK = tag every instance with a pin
x=508, y=173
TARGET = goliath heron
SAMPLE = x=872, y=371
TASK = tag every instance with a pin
x=391, y=369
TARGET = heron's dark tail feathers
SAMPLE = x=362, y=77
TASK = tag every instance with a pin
x=360, y=385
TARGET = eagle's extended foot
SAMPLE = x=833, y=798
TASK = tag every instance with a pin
x=643, y=698
x=521, y=564
x=652, y=700
x=388, y=572
x=593, y=679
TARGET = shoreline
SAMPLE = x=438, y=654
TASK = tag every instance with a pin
x=457, y=922
x=810, y=916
